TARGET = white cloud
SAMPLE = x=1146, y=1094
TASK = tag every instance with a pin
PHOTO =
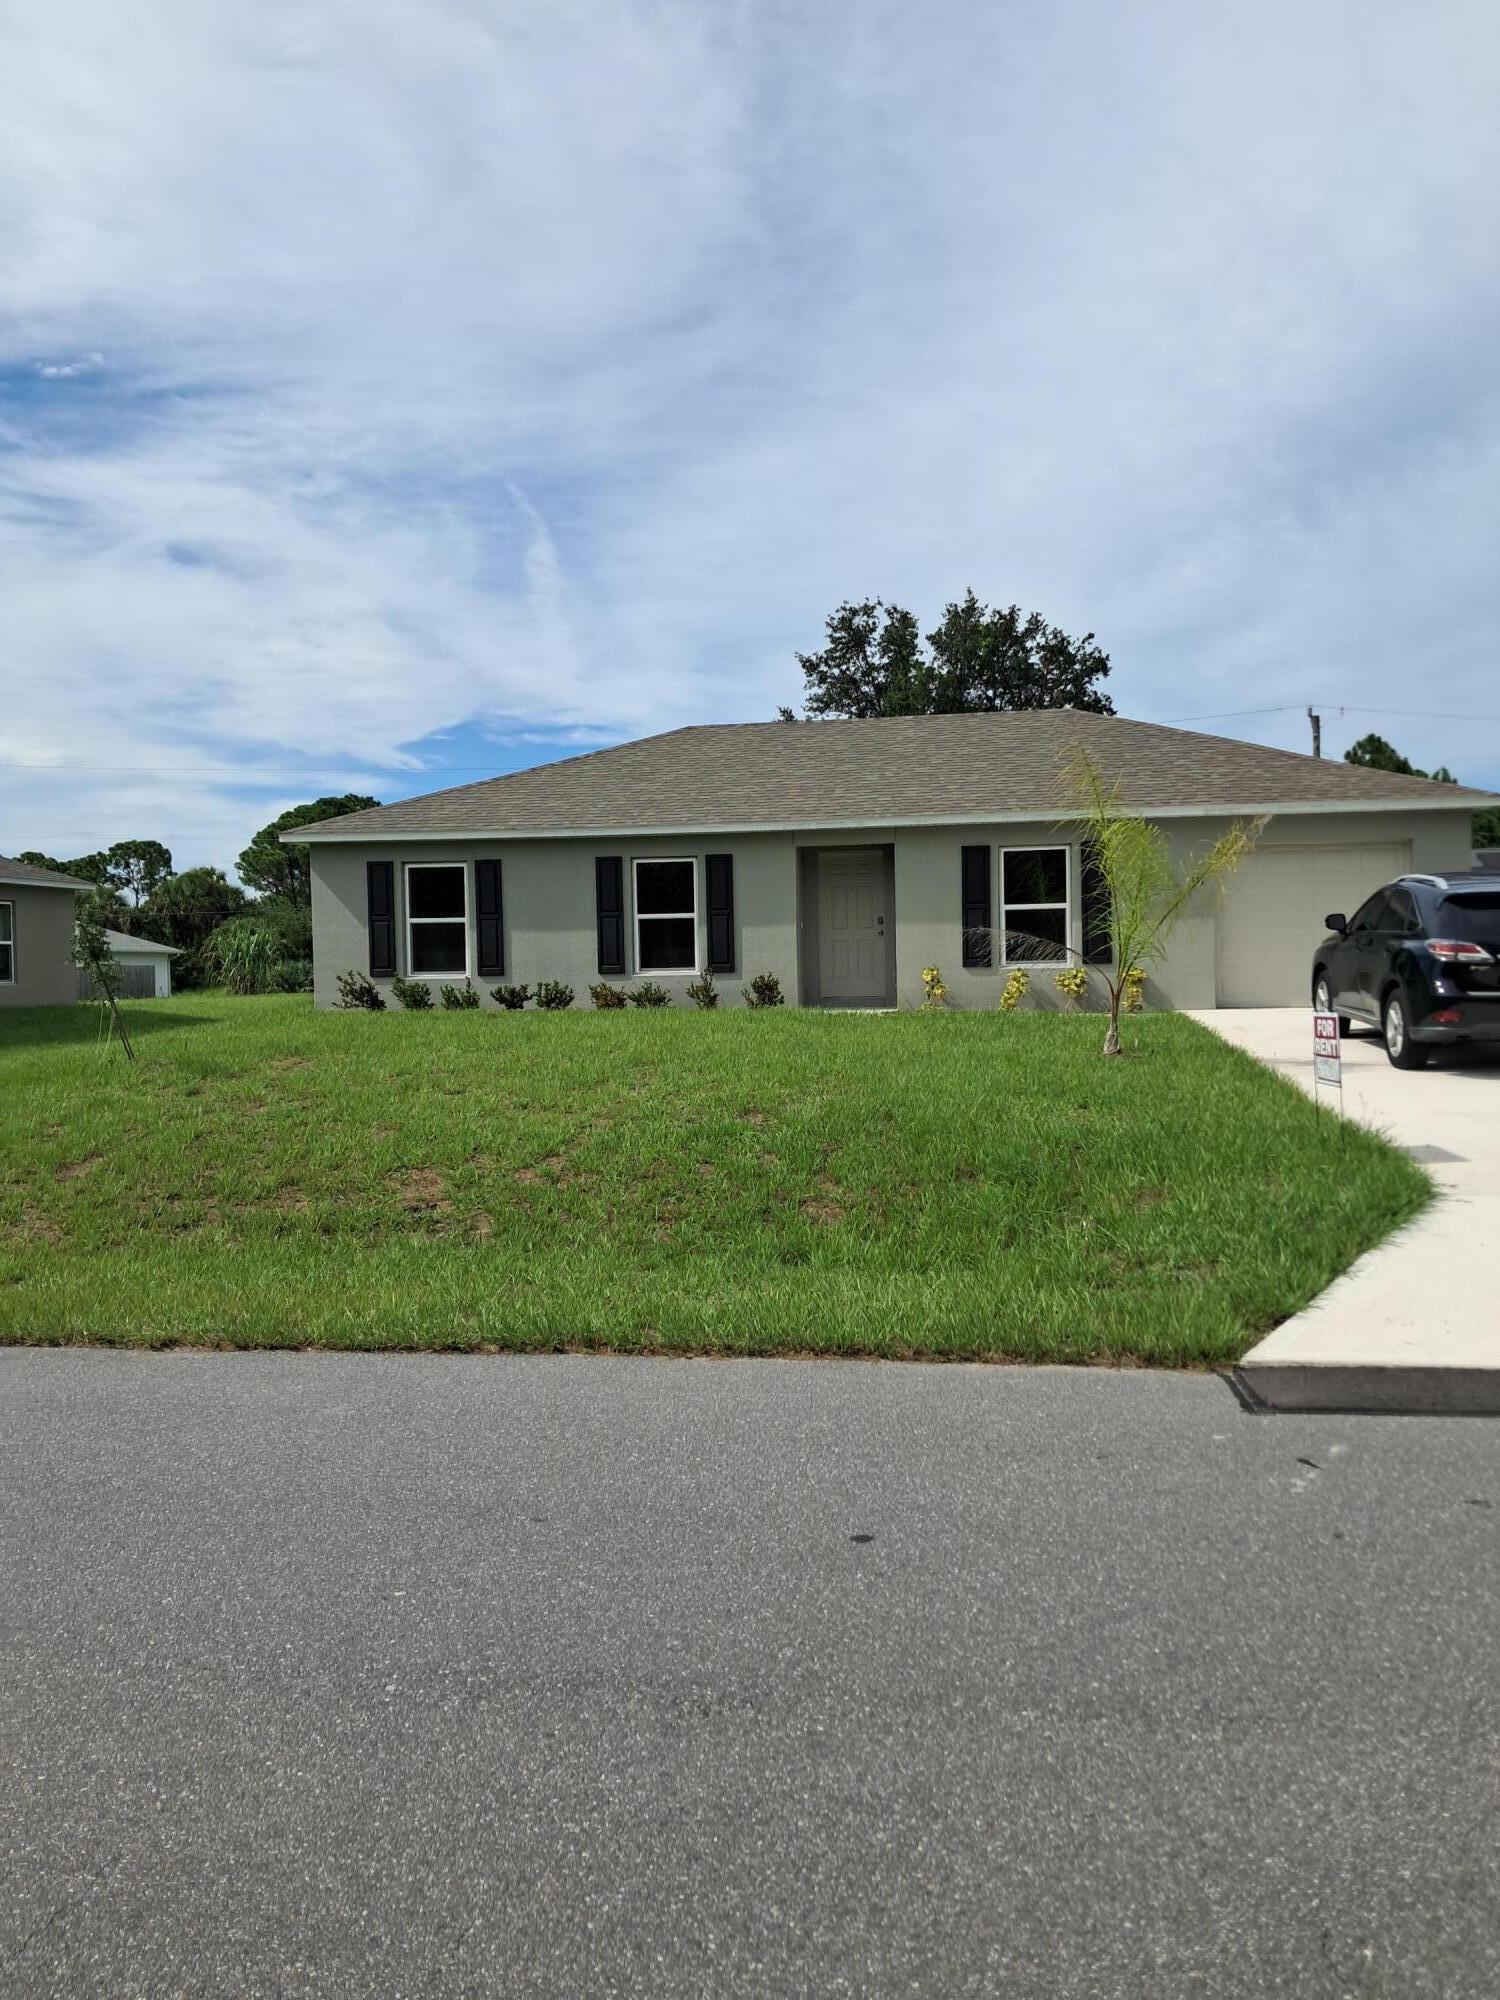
x=383, y=369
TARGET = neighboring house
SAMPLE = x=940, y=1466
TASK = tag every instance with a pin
x=1487, y=857
x=36, y=935
x=845, y=856
x=146, y=968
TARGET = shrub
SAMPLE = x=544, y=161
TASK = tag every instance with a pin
x=1015, y=989
x=413, y=993
x=289, y=923
x=459, y=996
x=606, y=997
x=294, y=975
x=703, y=993
x=649, y=994
x=552, y=995
x=356, y=991
x=934, y=988
x=1072, y=983
x=1135, y=990
x=244, y=953
x=764, y=990
x=512, y=998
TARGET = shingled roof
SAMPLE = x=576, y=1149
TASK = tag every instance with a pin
x=898, y=770
x=26, y=875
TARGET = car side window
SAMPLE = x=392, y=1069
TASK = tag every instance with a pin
x=1366, y=917
x=1401, y=914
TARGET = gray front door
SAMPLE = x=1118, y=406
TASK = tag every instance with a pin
x=851, y=925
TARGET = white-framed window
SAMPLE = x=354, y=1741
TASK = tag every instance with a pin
x=666, y=915
x=1034, y=926
x=437, y=918
x=7, y=944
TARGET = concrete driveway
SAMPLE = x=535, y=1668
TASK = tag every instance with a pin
x=1413, y=1325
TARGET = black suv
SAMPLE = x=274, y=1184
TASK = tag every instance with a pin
x=1420, y=961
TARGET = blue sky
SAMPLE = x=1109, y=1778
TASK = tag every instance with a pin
x=396, y=392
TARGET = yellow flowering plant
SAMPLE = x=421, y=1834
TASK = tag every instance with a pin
x=1015, y=989
x=1072, y=983
x=934, y=988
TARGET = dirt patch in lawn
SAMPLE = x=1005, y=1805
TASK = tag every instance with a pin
x=421, y=1191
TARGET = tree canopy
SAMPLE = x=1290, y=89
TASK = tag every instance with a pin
x=186, y=910
x=1375, y=754
x=273, y=870
x=875, y=662
x=134, y=868
x=88, y=867
x=138, y=868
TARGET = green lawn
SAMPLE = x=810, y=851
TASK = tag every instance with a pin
x=964, y=1185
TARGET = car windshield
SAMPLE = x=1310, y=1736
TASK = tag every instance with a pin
x=1473, y=914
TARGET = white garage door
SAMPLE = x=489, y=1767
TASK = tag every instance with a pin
x=1273, y=911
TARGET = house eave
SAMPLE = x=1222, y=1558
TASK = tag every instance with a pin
x=63, y=888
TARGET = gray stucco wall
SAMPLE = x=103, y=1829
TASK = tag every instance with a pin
x=548, y=888
x=45, y=973
x=927, y=894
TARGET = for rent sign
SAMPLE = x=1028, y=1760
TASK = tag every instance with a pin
x=1328, y=1064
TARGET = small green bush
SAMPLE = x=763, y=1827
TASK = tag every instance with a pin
x=764, y=990
x=413, y=993
x=294, y=975
x=649, y=994
x=703, y=993
x=459, y=996
x=512, y=998
x=606, y=997
x=356, y=991
x=553, y=995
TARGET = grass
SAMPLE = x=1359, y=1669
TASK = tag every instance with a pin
x=959, y=1185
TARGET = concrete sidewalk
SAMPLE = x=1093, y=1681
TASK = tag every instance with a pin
x=1415, y=1325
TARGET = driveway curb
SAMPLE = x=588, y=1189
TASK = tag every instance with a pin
x=1371, y=1389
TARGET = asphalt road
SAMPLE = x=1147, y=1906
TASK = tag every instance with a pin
x=394, y=1677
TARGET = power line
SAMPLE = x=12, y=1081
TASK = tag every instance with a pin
x=1340, y=707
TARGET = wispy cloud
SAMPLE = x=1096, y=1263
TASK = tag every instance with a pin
x=373, y=374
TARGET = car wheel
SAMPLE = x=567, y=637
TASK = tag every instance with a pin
x=1399, y=1046
x=1323, y=1001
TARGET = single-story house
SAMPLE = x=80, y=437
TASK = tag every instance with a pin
x=36, y=935
x=145, y=965
x=843, y=857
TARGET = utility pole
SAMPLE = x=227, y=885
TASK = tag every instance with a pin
x=1317, y=729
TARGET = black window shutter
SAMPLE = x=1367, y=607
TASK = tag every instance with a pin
x=1095, y=898
x=974, y=873
x=719, y=868
x=491, y=917
x=380, y=884
x=609, y=901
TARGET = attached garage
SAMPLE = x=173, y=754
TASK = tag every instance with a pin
x=1272, y=915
